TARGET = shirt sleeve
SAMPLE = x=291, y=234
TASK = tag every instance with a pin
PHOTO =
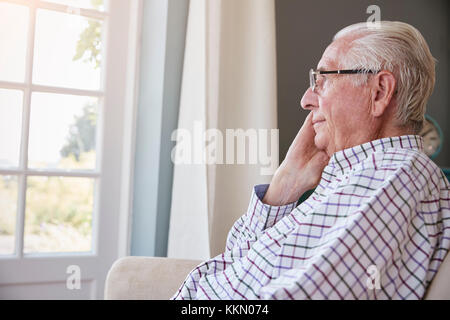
x=245, y=231
x=259, y=217
x=381, y=249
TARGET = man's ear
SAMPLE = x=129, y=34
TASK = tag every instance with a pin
x=384, y=87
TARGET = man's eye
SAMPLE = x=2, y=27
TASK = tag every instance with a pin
x=320, y=80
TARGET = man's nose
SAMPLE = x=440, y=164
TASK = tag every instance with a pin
x=309, y=100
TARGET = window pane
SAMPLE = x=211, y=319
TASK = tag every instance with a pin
x=10, y=127
x=67, y=51
x=8, y=210
x=58, y=215
x=13, y=41
x=88, y=4
x=62, y=131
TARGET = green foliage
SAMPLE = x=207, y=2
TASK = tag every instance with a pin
x=97, y=3
x=8, y=204
x=82, y=134
x=89, y=44
x=59, y=201
x=58, y=214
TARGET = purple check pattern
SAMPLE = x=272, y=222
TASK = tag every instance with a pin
x=376, y=227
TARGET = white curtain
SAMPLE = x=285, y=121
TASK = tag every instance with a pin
x=229, y=82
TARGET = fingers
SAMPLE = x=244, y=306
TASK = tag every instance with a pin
x=308, y=131
x=304, y=139
x=323, y=158
x=309, y=117
x=307, y=126
x=308, y=121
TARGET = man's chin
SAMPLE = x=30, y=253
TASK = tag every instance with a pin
x=320, y=142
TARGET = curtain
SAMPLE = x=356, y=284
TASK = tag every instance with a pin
x=229, y=82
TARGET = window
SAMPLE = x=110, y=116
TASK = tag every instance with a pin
x=62, y=129
x=51, y=100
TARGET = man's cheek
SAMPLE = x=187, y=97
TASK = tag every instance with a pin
x=323, y=135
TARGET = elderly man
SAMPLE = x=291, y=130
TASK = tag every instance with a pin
x=378, y=223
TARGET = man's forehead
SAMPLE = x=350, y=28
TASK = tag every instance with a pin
x=326, y=64
x=330, y=57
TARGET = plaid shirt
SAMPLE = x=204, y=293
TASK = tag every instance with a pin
x=376, y=227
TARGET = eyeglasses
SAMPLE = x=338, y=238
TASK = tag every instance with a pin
x=314, y=73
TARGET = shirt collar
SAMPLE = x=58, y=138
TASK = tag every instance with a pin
x=348, y=158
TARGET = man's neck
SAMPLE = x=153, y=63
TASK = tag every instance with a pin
x=392, y=131
x=382, y=132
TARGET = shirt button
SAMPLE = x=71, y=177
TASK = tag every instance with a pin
x=261, y=219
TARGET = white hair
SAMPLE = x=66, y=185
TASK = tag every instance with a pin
x=401, y=49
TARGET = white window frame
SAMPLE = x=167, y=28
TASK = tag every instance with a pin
x=115, y=158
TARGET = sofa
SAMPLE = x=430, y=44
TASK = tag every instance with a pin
x=140, y=278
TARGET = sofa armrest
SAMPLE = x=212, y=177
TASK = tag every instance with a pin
x=440, y=285
x=140, y=278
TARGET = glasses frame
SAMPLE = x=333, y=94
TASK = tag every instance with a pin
x=313, y=74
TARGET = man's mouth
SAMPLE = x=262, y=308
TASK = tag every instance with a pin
x=318, y=123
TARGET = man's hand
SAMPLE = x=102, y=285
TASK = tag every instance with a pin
x=300, y=171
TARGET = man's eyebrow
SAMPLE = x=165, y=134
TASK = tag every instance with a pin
x=325, y=65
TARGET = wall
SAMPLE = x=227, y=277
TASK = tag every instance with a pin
x=305, y=28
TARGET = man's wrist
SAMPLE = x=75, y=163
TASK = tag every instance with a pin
x=280, y=198
x=283, y=190
x=261, y=190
